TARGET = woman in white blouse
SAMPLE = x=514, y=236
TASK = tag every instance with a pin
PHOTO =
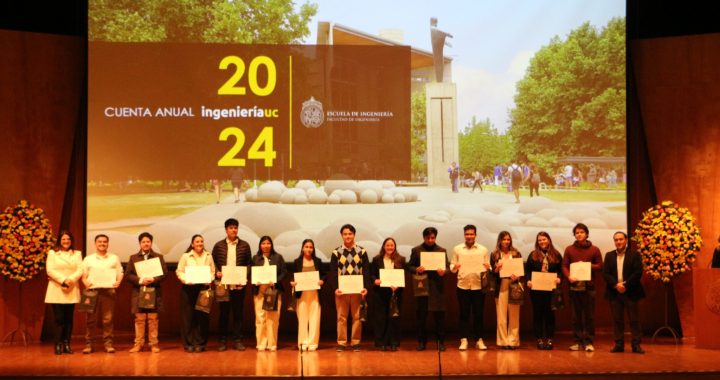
x=194, y=323
x=64, y=269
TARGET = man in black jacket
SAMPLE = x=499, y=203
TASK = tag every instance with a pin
x=231, y=251
x=622, y=272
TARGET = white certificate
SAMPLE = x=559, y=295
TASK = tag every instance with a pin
x=199, y=274
x=581, y=270
x=102, y=277
x=544, y=281
x=264, y=274
x=470, y=263
x=513, y=266
x=351, y=284
x=392, y=277
x=433, y=260
x=149, y=268
x=232, y=275
x=307, y=281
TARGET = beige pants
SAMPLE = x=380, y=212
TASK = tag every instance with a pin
x=266, y=322
x=344, y=305
x=308, y=315
x=508, y=318
x=152, y=327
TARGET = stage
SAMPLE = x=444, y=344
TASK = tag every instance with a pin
x=663, y=360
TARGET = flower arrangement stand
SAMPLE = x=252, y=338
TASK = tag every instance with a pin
x=20, y=330
x=666, y=326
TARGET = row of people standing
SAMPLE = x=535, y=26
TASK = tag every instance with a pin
x=65, y=269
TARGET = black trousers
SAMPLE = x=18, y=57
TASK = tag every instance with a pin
x=618, y=306
x=63, y=316
x=421, y=314
x=234, y=306
x=471, y=302
x=535, y=187
x=583, y=317
x=543, y=315
x=385, y=328
x=194, y=323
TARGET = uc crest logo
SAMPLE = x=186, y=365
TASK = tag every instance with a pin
x=312, y=115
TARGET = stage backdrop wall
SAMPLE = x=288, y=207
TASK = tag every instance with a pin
x=678, y=88
x=42, y=99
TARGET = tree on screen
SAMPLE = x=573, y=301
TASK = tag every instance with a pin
x=482, y=147
x=571, y=101
x=418, y=136
x=247, y=21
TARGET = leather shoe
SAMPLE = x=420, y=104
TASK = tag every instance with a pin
x=421, y=346
x=441, y=347
x=222, y=347
x=617, y=348
x=239, y=346
x=66, y=348
x=58, y=348
x=637, y=349
x=199, y=348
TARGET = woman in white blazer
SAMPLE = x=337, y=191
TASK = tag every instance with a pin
x=64, y=269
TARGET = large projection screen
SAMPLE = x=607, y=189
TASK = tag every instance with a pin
x=296, y=120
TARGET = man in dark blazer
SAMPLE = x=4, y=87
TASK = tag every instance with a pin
x=238, y=252
x=622, y=272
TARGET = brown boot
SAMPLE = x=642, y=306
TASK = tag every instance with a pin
x=153, y=324
x=139, y=332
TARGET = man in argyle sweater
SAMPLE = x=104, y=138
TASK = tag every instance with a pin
x=349, y=260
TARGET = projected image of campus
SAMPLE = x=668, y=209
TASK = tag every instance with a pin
x=391, y=116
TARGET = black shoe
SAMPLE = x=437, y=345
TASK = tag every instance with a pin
x=421, y=346
x=637, y=349
x=239, y=346
x=222, y=347
x=66, y=348
x=441, y=347
x=618, y=347
x=540, y=344
x=189, y=349
x=393, y=348
x=549, y=345
x=199, y=348
x=356, y=347
x=340, y=348
x=58, y=348
x=382, y=348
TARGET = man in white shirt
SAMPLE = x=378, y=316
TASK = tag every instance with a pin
x=471, y=299
x=97, y=266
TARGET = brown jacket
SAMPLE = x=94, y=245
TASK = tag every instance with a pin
x=132, y=277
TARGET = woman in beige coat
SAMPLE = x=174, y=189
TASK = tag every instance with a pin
x=64, y=269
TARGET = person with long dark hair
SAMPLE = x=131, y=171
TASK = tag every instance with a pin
x=308, y=301
x=194, y=323
x=386, y=326
x=64, y=268
x=546, y=259
x=508, y=314
x=267, y=321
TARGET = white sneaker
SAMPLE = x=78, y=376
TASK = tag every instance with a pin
x=463, y=344
x=589, y=348
x=480, y=345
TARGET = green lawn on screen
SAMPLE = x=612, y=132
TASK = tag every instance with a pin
x=129, y=206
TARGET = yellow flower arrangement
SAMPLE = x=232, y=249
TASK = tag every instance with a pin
x=668, y=240
x=25, y=238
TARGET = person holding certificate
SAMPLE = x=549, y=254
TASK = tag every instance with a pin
x=64, y=269
x=308, y=303
x=469, y=290
x=508, y=314
x=544, y=260
x=145, y=285
x=103, y=273
x=433, y=300
x=582, y=292
x=234, y=252
x=349, y=264
x=194, y=323
x=386, y=326
x=267, y=321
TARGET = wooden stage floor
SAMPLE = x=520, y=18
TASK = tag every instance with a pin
x=663, y=360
